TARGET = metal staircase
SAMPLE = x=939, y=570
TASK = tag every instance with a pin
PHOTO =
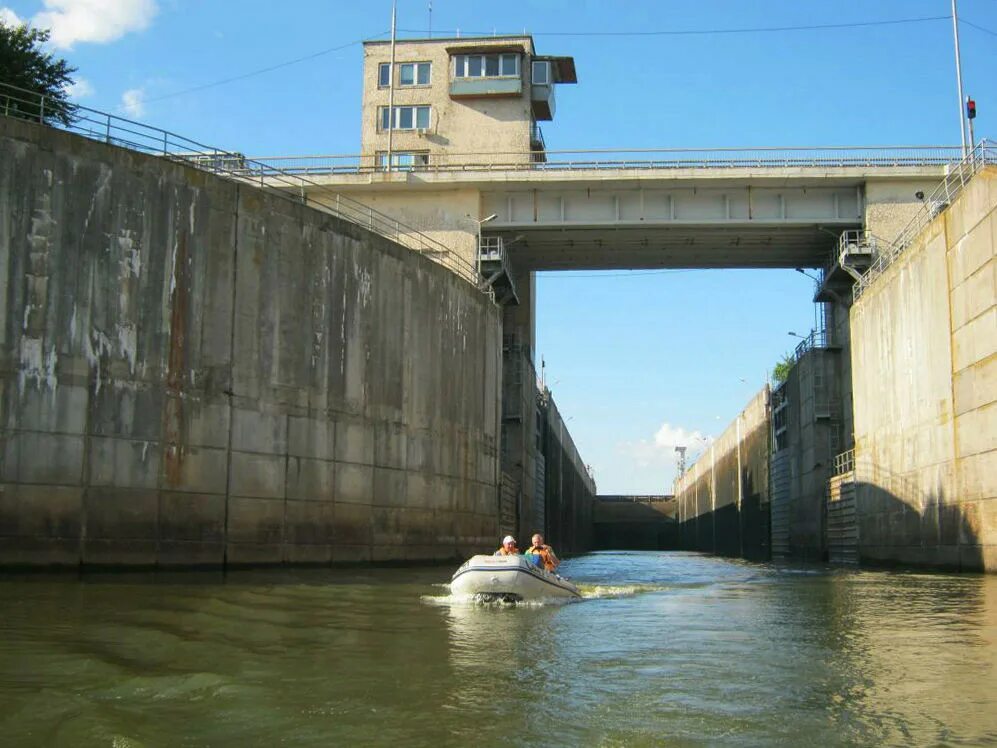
x=857, y=251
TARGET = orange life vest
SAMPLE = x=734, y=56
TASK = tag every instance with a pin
x=544, y=554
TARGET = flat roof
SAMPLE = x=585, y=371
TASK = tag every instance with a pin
x=452, y=39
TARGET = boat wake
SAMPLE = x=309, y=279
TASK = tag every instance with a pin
x=604, y=591
x=588, y=592
x=492, y=601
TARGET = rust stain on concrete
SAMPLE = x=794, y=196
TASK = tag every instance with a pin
x=176, y=363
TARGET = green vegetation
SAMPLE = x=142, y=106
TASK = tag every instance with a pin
x=781, y=371
x=44, y=80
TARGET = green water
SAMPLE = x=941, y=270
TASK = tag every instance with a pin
x=666, y=649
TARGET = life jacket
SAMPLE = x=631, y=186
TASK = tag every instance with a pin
x=503, y=552
x=544, y=554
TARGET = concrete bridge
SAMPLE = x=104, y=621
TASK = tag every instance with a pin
x=664, y=208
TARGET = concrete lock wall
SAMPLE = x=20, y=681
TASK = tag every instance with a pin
x=569, y=490
x=723, y=498
x=924, y=362
x=196, y=372
x=807, y=438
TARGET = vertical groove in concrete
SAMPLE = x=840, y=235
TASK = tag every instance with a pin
x=230, y=394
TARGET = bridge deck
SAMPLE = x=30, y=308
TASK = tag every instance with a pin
x=739, y=213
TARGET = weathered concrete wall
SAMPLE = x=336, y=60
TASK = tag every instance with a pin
x=891, y=204
x=444, y=215
x=924, y=362
x=196, y=372
x=807, y=438
x=568, y=488
x=723, y=498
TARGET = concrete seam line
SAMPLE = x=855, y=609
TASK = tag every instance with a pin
x=231, y=369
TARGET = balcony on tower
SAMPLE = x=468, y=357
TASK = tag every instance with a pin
x=545, y=73
x=486, y=70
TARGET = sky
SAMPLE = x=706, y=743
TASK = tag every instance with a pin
x=638, y=362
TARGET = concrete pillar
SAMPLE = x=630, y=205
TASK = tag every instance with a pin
x=519, y=399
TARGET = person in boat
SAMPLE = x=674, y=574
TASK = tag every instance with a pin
x=508, y=547
x=542, y=554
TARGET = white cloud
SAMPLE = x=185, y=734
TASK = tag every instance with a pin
x=97, y=21
x=651, y=465
x=80, y=89
x=659, y=450
x=669, y=437
x=133, y=102
x=9, y=17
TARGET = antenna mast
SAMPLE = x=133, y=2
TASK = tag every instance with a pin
x=958, y=78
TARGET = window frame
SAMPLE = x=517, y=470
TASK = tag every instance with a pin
x=533, y=74
x=418, y=158
x=461, y=65
x=380, y=69
x=416, y=67
x=394, y=120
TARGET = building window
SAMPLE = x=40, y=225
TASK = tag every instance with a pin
x=834, y=439
x=486, y=66
x=403, y=160
x=414, y=74
x=541, y=73
x=405, y=118
x=384, y=75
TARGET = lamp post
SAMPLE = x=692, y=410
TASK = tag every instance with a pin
x=680, y=461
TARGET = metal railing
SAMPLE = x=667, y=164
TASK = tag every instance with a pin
x=816, y=339
x=856, y=239
x=538, y=148
x=851, y=240
x=844, y=462
x=640, y=159
x=111, y=129
x=983, y=154
x=490, y=248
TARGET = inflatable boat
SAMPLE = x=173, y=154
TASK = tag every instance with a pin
x=508, y=579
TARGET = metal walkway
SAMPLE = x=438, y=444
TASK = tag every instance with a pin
x=18, y=103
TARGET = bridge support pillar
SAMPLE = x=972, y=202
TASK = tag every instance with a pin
x=519, y=403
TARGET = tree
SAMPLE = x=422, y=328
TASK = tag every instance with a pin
x=33, y=83
x=781, y=371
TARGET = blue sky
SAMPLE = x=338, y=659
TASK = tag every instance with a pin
x=637, y=361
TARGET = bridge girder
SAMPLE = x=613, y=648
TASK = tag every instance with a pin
x=729, y=226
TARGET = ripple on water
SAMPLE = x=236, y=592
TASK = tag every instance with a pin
x=663, y=648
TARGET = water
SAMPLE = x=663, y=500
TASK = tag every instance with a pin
x=667, y=648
